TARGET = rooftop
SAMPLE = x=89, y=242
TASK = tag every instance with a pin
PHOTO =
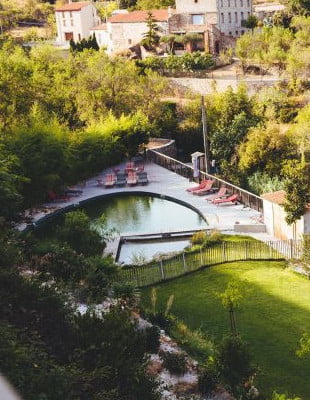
x=75, y=6
x=101, y=27
x=275, y=197
x=140, y=16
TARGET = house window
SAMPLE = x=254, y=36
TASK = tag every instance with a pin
x=198, y=19
x=63, y=15
x=222, y=18
x=229, y=17
x=68, y=36
x=242, y=16
x=221, y=3
x=241, y=3
x=236, y=16
x=248, y=14
x=228, y=3
x=235, y=3
x=129, y=41
x=237, y=33
x=70, y=14
x=79, y=37
x=195, y=1
x=242, y=32
x=64, y=22
x=248, y=3
x=71, y=21
x=230, y=33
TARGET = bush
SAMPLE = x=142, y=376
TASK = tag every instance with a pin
x=207, y=380
x=152, y=336
x=175, y=363
x=198, y=238
x=215, y=237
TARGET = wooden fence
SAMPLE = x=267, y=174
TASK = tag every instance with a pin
x=247, y=198
x=185, y=263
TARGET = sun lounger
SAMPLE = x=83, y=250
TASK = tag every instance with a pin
x=142, y=178
x=220, y=194
x=120, y=179
x=200, y=186
x=205, y=190
x=109, y=180
x=130, y=166
x=52, y=196
x=231, y=199
x=131, y=178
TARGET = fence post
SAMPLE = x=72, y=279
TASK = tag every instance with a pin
x=162, y=270
x=246, y=250
x=184, y=261
x=201, y=261
x=291, y=249
x=223, y=252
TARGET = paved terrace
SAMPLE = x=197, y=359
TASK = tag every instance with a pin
x=164, y=183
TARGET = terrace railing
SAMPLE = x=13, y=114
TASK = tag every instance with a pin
x=184, y=263
x=247, y=198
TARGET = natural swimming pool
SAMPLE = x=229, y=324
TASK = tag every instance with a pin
x=136, y=214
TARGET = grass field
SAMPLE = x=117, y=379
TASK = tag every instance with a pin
x=272, y=317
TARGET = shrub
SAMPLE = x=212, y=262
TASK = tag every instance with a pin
x=215, y=237
x=198, y=238
x=152, y=335
x=207, y=380
x=175, y=363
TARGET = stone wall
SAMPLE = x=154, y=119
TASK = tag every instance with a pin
x=164, y=146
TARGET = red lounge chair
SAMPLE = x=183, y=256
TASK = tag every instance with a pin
x=231, y=199
x=52, y=196
x=131, y=178
x=220, y=194
x=201, y=186
x=130, y=166
x=205, y=190
x=109, y=180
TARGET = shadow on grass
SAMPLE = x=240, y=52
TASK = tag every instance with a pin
x=271, y=318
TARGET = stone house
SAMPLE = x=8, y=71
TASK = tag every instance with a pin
x=74, y=21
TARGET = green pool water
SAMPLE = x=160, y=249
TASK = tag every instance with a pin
x=137, y=214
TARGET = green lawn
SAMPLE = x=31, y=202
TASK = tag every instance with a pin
x=272, y=317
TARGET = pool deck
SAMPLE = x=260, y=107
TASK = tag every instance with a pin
x=163, y=182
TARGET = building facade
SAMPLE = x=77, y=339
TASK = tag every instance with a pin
x=75, y=21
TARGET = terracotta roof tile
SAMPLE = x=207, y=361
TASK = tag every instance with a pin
x=140, y=16
x=275, y=197
x=75, y=6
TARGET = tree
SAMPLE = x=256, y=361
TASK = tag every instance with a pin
x=250, y=23
x=297, y=190
x=169, y=41
x=231, y=298
x=151, y=37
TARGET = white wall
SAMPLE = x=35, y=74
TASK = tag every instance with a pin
x=192, y=7
x=102, y=37
x=274, y=219
x=78, y=22
x=235, y=8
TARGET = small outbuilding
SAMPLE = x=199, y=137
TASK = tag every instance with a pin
x=274, y=218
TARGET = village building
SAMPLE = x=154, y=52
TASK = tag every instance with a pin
x=74, y=21
x=218, y=22
x=274, y=218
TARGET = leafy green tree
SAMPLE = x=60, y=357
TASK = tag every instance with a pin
x=297, y=189
x=150, y=37
x=250, y=23
x=79, y=235
x=231, y=299
x=151, y=5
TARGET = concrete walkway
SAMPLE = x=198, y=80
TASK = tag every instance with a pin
x=165, y=183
